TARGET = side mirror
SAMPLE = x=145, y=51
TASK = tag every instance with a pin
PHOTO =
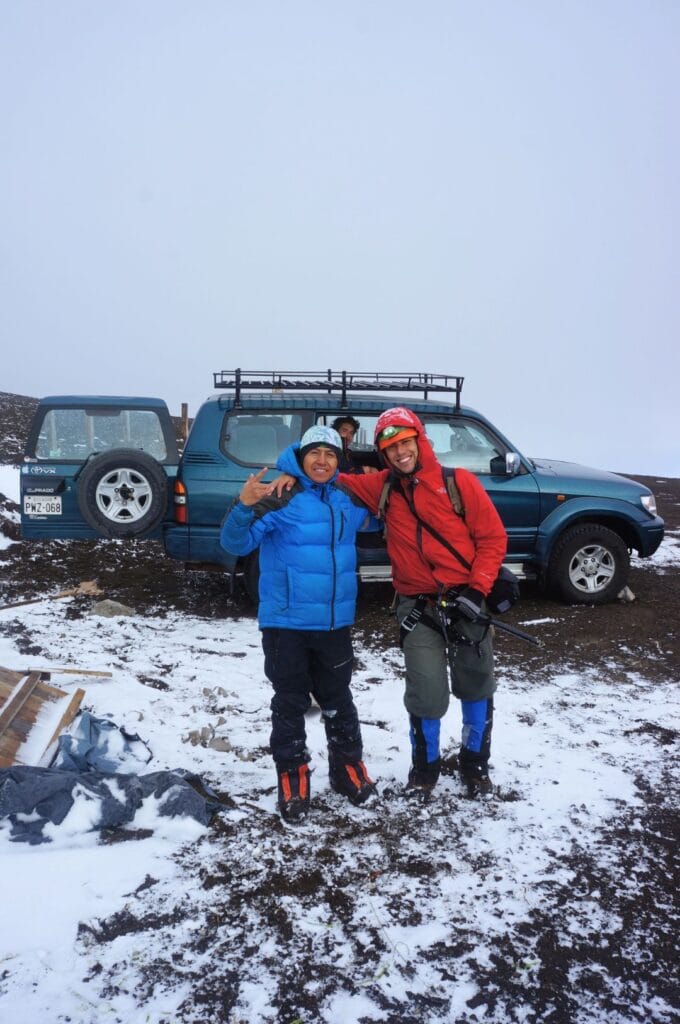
x=512, y=463
x=505, y=466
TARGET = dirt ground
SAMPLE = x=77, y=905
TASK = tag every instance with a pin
x=639, y=637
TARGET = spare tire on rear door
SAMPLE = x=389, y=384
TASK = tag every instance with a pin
x=123, y=493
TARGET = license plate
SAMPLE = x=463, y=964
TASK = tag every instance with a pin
x=47, y=506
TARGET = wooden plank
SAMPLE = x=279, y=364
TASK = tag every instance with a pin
x=65, y=720
x=88, y=587
x=10, y=678
x=14, y=706
x=75, y=672
x=37, y=600
x=21, y=708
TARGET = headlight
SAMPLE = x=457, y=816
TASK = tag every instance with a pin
x=649, y=503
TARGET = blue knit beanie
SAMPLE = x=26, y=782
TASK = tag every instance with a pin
x=320, y=436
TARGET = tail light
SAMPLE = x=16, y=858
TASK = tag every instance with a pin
x=181, y=507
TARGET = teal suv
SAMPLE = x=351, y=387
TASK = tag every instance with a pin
x=99, y=466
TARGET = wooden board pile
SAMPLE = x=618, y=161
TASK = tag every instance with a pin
x=33, y=713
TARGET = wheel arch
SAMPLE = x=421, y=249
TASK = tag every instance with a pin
x=589, y=564
x=614, y=518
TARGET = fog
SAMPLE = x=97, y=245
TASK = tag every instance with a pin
x=485, y=190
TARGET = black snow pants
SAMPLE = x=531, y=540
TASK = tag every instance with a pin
x=300, y=663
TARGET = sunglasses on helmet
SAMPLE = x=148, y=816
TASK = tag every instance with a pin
x=390, y=432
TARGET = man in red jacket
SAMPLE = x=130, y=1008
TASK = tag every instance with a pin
x=438, y=556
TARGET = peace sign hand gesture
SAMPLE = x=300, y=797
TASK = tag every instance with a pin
x=253, y=489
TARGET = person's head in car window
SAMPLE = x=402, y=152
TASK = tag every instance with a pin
x=346, y=427
x=351, y=461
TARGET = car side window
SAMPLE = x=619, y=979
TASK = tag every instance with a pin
x=364, y=435
x=257, y=439
x=75, y=434
x=462, y=444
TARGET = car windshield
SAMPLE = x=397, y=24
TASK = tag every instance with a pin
x=78, y=433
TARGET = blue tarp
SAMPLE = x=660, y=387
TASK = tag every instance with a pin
x=101, y=745
x=88, y=766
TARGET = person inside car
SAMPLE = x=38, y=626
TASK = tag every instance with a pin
x=307, y=589
x=347, y=427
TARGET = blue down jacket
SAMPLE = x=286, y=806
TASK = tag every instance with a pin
x=307, y=554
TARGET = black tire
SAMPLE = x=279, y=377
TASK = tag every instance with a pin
x=123, y=493
x=251, y=576
x=589, y=564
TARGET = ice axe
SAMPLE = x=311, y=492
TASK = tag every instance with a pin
x=511, y=630
x=87, y=587
x=446, y=608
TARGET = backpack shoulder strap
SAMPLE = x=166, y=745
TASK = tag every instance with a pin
x=449, y=474
x=384, y=497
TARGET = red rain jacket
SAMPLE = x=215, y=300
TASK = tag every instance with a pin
x=420, y=564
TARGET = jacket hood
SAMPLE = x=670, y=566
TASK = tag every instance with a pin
x=287, y=462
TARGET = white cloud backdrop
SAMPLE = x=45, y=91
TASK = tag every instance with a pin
x=483, y=190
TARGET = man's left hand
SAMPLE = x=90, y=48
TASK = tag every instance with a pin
x=469, y=604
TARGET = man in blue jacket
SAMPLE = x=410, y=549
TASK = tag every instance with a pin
x=307, y=595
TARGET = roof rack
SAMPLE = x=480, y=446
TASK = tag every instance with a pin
x=336, y=380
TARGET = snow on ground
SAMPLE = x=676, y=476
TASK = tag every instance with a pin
x=9, y=487
x=9, y=482
x=399, y=906
x=525, y=907
x=667, y=556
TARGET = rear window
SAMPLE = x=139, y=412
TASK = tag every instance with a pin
x=258, y=439
x=75, y=434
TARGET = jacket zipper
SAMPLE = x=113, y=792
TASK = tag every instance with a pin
x=410, y=496
x=330, y=509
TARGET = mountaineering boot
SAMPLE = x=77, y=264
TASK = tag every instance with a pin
x=293, y=788
x=421, y=782
x=425, y=759
x=352, y=780
x=475, y=775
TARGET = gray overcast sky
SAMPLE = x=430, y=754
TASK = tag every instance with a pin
x=488, y=189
